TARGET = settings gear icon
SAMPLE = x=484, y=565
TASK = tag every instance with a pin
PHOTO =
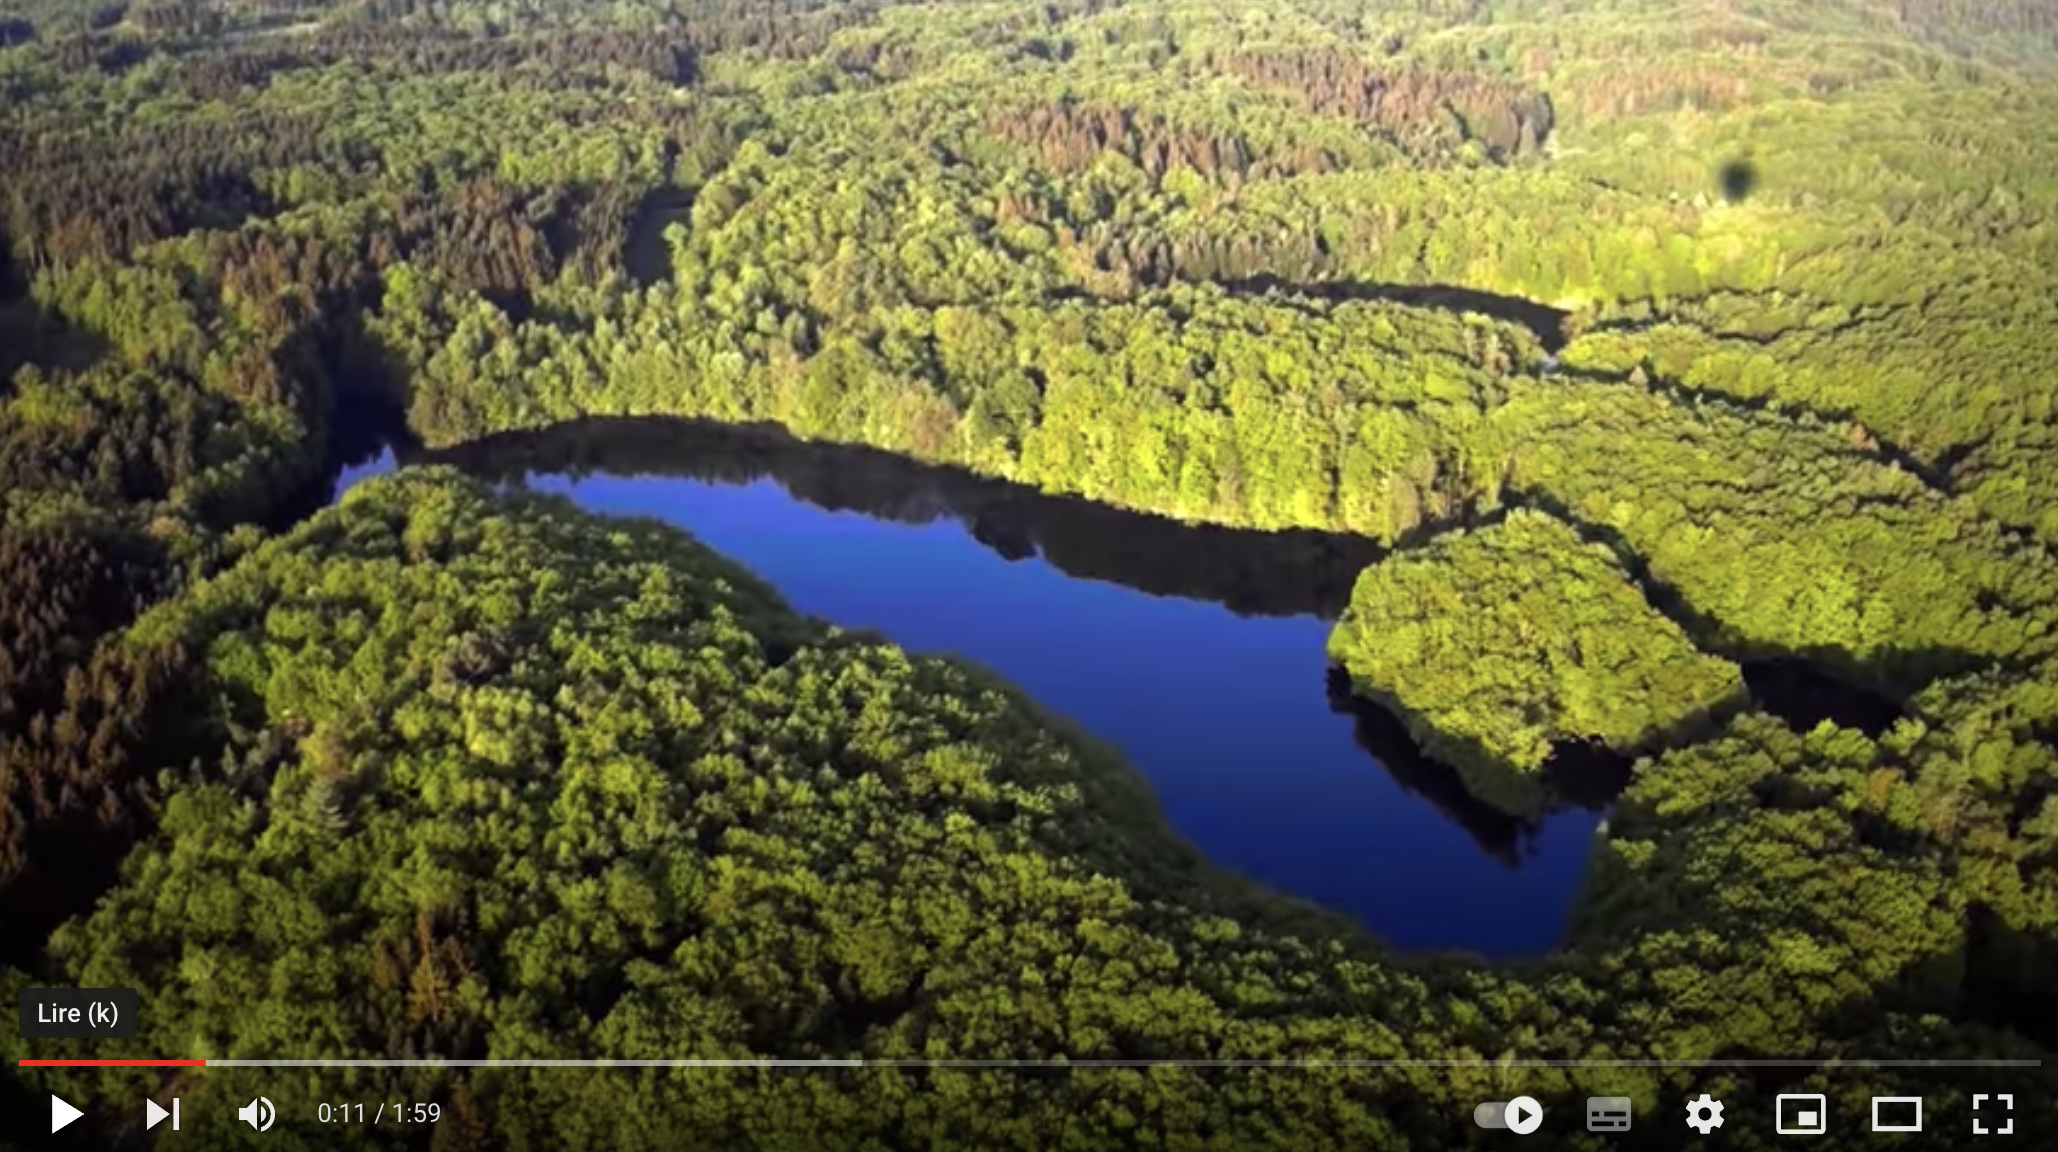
x=1704, y=1115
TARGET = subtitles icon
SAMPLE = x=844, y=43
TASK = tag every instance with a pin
x=1607, y=1113
x=1802, y=1115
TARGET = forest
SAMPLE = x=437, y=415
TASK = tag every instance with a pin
x=1592, y=351
x=1501, y=644
x=495, y=777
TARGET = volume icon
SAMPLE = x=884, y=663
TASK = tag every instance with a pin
x=259, y=1114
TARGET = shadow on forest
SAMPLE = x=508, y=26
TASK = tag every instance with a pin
x=1994, y=974
x=1864, y=441
x=1800, y=686
x=1803, y=695
x=32, y=334
x=649, y=259
x=1502, y=805
x=1252, y=573
x=2004, y=979
x=1546, y=322
x=363, y=411
x=1737, y=179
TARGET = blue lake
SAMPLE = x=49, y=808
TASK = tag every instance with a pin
x=1228, y=714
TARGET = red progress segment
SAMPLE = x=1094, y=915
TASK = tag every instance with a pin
x=114, y=1063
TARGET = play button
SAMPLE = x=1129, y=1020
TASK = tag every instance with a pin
x=1524, y=1115
x=152, y=1114
x=62, y=1113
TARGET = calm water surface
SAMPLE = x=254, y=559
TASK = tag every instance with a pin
x=1227, y=715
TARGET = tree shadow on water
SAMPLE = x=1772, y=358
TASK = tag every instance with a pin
x=1250, y=572
x=1578, y=775
x=1502, y=835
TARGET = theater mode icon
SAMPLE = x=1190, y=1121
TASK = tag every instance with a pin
x=1897, y=1113
x=1802, y=1114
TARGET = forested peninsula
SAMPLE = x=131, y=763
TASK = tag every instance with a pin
x=1629, y=343
x=1506, y=642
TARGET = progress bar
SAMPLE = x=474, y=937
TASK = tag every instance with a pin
x=1053, y=1065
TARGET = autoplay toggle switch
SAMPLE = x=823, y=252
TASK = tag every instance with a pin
x=1522, y=1115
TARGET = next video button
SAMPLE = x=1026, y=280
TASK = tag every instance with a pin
x=77, y=1013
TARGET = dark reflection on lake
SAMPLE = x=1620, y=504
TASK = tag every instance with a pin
x=1577, y=775
x=1199, y=652
x=1295, y=573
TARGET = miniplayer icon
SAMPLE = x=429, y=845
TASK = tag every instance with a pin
x=1802, y=1114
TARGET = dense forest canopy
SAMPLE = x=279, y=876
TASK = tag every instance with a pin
x=1506, y=642
x=497, y=778
x=1756, y=304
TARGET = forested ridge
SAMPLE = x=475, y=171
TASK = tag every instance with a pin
x=1714, y=334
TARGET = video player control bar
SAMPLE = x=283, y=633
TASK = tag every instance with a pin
x=1283, y=1065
